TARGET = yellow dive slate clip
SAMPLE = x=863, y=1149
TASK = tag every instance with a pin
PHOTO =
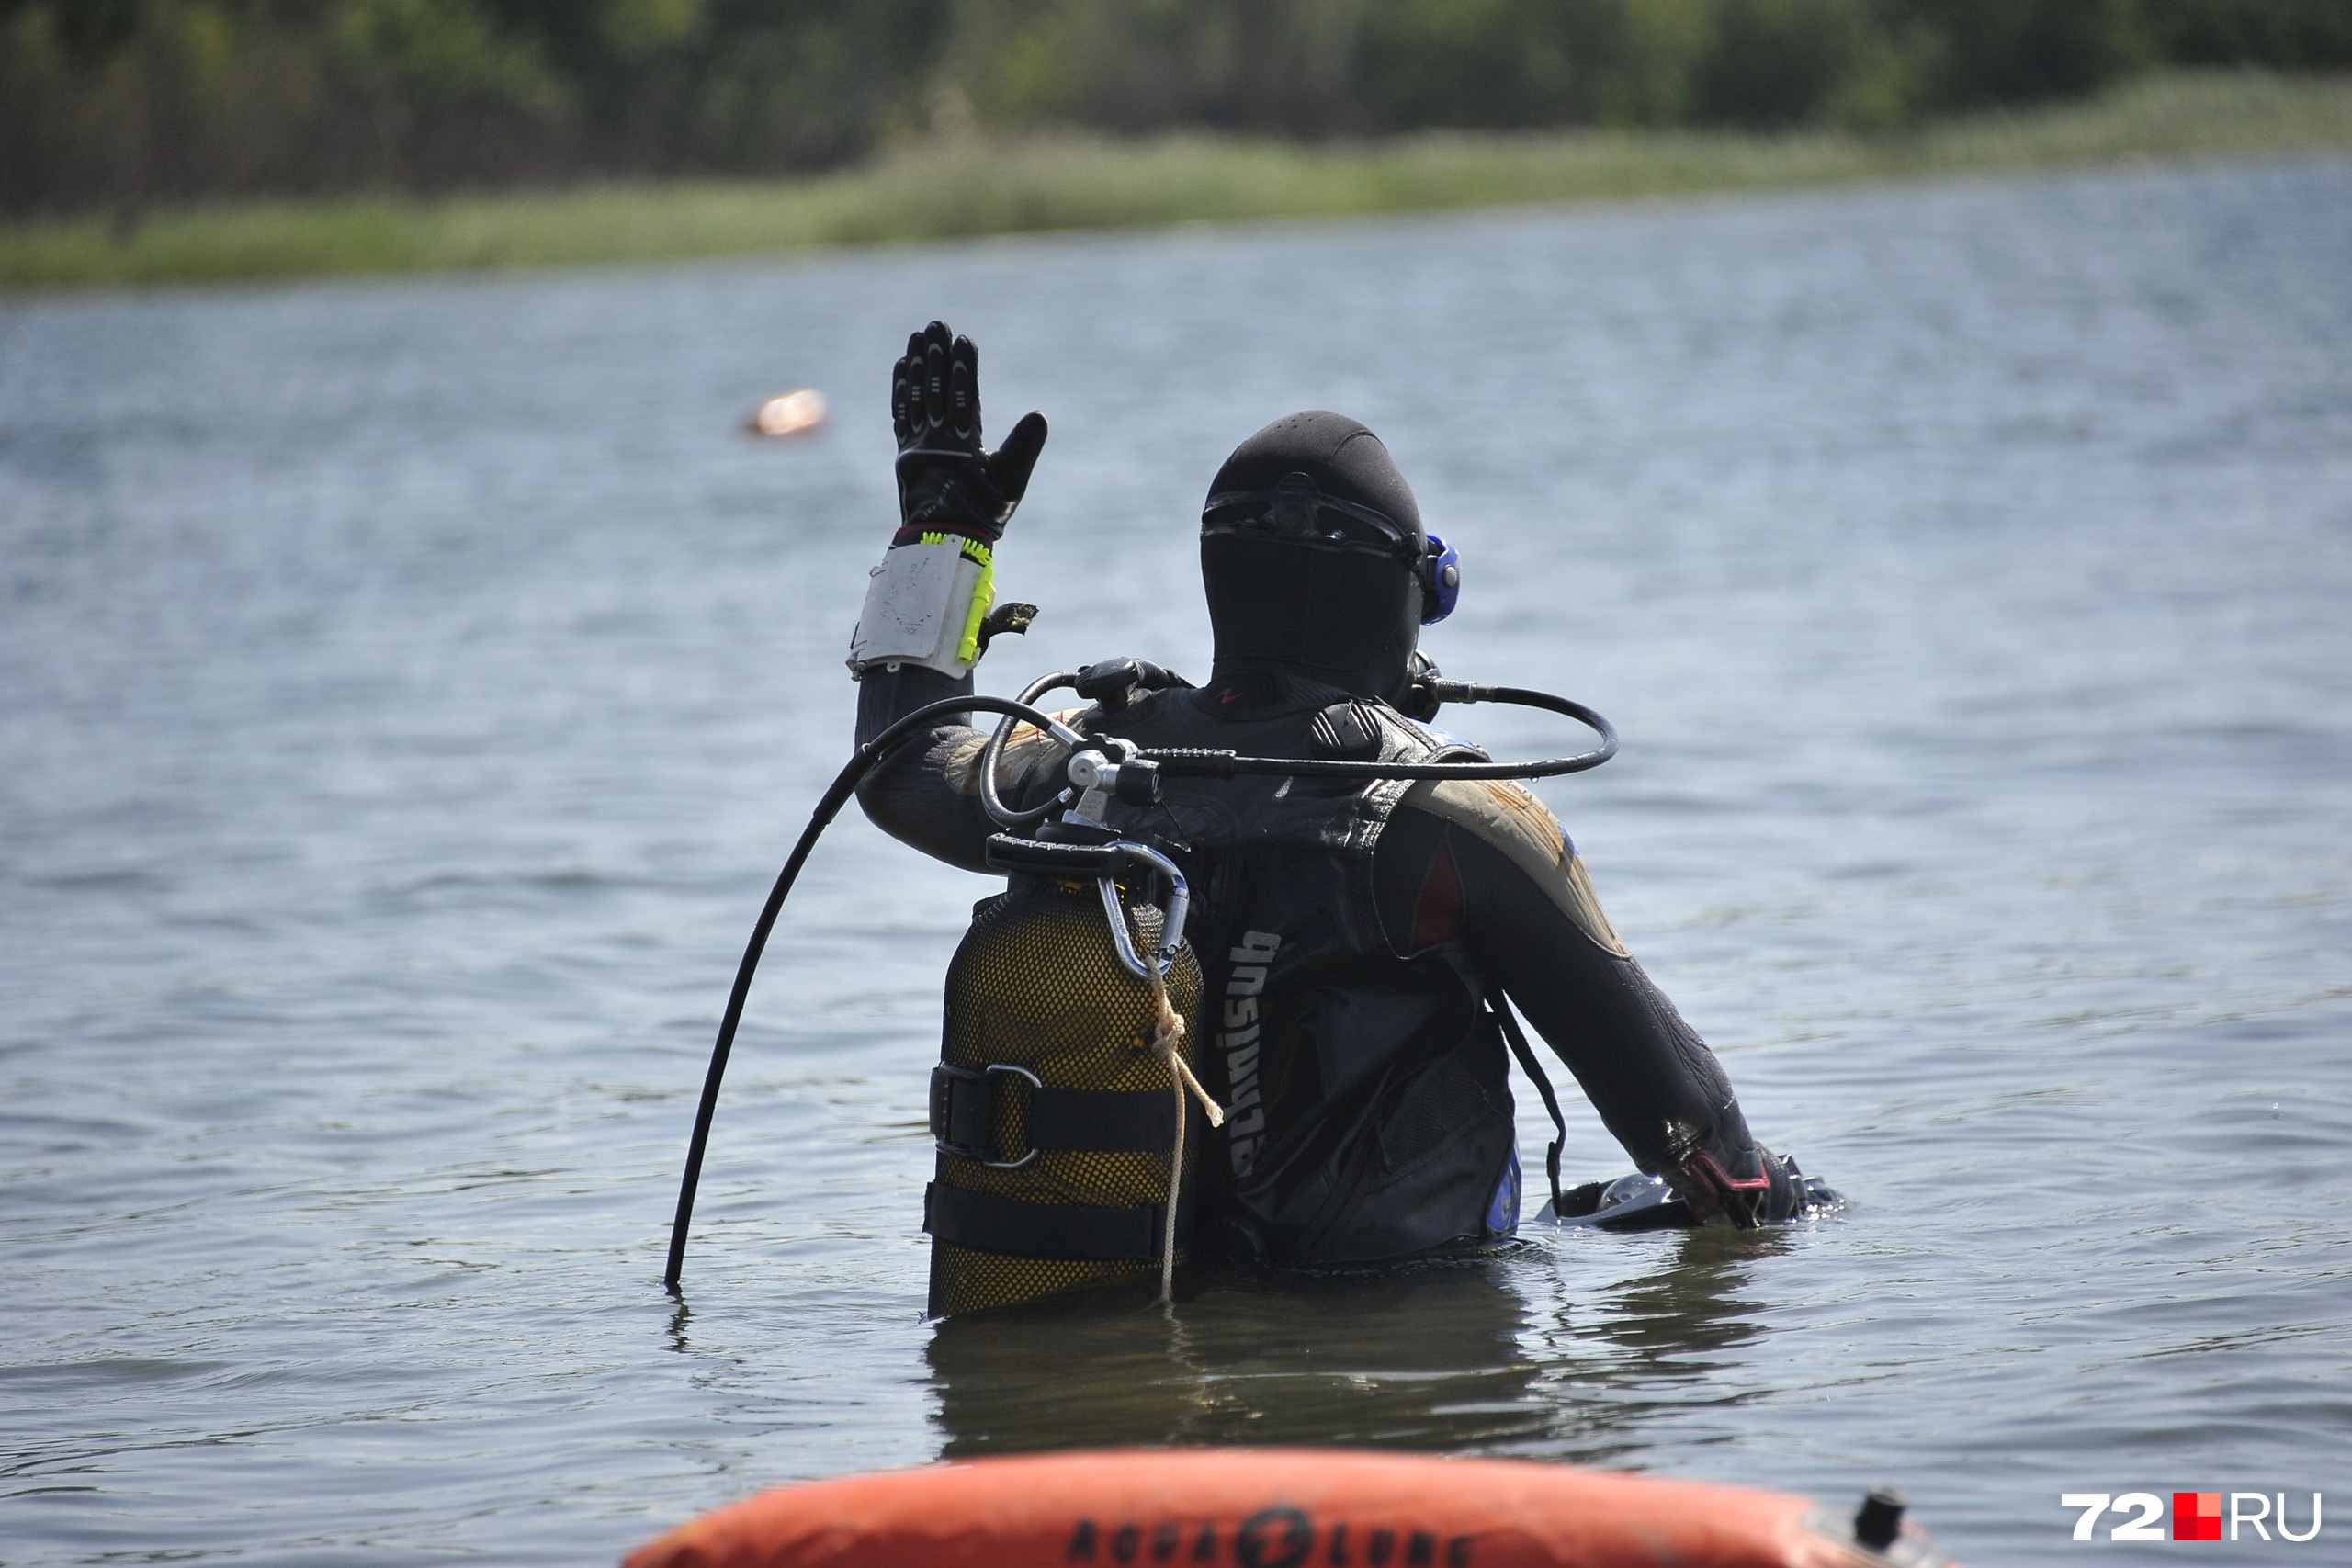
x=968, y=646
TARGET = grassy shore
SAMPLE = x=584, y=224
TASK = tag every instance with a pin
x=945, y=192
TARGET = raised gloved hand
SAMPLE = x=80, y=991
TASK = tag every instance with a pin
x=927, y=605
x=947, y=482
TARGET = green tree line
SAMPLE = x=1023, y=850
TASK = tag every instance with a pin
x=121, y=104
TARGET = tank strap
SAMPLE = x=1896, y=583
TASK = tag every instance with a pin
x=1533, y=1069
x=1101, y=1121
x=1015, y=1229
x=964, y=1117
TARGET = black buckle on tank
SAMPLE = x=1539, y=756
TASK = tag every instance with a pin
x=1010, y=1227
x=1065, y=862
x=963, y=1113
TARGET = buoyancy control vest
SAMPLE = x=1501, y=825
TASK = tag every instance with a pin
x=1368, y=1117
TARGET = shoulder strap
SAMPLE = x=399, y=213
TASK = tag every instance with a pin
x=1533, y=1069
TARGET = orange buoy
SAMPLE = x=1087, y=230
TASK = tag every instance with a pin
x=1283, y=1509
x=788, y=413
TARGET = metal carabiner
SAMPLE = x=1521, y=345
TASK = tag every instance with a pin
x=1172, y=922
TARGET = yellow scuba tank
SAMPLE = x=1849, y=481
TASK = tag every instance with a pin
x=1054, y=1115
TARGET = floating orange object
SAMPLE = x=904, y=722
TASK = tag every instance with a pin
x=1282, y=1509
x=789, y=413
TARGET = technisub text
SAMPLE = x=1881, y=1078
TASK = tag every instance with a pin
x=1279, y=1537
x=1245, y=1118
x=2195, y=1515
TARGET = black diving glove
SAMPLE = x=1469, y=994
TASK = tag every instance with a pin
x=931, y=605
x=947, y=482
x=1766, y=1190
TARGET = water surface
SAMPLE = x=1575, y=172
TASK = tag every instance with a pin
x=408, y=689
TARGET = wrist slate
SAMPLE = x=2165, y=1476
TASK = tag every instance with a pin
x=924, y=605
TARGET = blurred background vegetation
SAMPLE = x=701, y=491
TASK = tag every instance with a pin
x=117, y=105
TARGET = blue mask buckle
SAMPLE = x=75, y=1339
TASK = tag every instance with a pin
x=1440, y=581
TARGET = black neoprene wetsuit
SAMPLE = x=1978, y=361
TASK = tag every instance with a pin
x=1350, y=937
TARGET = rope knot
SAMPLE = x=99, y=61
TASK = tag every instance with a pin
x=1167, y=1034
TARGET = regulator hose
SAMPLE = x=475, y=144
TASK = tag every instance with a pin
x=1195, y=762
x=1177, y=763
x=836, y=796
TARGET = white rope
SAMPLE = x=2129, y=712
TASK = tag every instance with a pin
x=1167, y=1040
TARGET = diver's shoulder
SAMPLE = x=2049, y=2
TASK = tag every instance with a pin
x=1505, y=816
x=1503, y=812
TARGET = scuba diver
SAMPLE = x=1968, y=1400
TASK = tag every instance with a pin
x=1356, y=938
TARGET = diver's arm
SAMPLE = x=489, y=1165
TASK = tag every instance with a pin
x=926, y=619
x=926, y=793
x=1489, y=862
x=908, y=794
